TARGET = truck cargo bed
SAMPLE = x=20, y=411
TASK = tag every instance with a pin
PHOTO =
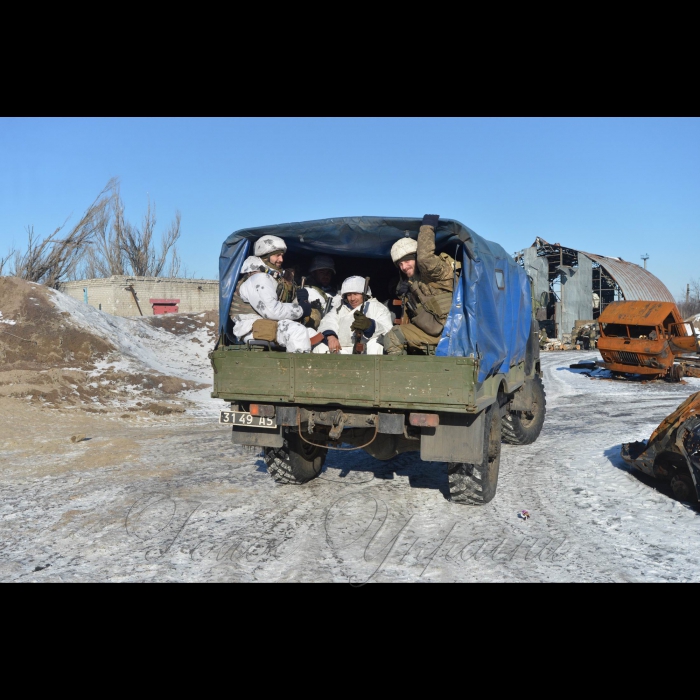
x=384, y=381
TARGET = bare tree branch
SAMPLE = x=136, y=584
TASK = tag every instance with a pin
x=4, y=260
x=101, y=244
x=689, y=305
x=139, y=250
x=107, y=258
x=53, y=260
x=168, y=241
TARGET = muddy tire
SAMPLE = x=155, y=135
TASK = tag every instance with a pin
x=524, y=427
x=475, y=484
x=683, y=488
x=296, y=462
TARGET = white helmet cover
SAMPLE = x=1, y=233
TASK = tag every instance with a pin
x=322, y=262
x=269, y=244
x=402, y=248
x=252, y=264
x=354, y=284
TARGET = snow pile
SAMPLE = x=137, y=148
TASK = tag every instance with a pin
x=138, y=344
x=62, y=353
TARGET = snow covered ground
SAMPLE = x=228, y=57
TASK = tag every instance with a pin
x=140, y=345
x=175, y=501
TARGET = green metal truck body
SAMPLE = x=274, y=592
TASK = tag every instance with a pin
x=382, y=382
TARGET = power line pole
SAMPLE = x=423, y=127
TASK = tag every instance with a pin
x=645, y=257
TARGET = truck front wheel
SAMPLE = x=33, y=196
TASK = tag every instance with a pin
x=524, y=427
x=475, y=484
x=296, y=462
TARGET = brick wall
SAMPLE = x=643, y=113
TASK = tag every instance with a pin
x=114, y=294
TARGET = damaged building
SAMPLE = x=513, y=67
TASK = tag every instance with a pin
x=572, y=287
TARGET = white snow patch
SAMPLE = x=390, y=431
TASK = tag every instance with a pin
x=140, y=346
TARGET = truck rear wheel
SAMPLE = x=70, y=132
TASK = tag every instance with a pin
x=524, y=427
x=296, y=462
x=475, y=484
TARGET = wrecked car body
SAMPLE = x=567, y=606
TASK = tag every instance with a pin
x=645, y=337
x=672, y=453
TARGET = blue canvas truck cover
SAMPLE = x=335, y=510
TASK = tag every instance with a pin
x=491, y=309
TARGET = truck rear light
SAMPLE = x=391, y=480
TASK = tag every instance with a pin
x=425, y=420
x=262, y=409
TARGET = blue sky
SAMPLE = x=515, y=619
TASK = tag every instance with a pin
x=613, y=186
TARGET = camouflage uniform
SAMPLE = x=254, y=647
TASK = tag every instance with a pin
x=430, y=297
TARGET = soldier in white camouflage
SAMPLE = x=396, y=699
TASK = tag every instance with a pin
x=268, y=306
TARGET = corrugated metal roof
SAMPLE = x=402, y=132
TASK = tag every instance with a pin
x=635, y=282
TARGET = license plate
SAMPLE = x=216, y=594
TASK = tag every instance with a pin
x=246, y=419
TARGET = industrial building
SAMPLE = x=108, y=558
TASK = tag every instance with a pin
x=145, y=296
x=572, y=287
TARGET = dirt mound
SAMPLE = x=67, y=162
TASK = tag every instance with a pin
x=58, y=352
x=35, y=336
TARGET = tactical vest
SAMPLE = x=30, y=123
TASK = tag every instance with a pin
x=431, y=305
x=286, y=291
x=238, y=306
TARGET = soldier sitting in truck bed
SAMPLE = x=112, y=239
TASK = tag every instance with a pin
x=322, y=274
x=354, y=312
x=425, y=287
x=266, y=306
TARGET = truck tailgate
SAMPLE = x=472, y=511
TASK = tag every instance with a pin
x=403, y=381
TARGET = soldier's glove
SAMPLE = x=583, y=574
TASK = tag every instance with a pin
x=431, y=220
x=306, y=308
x=403, y=288
x=302, y=295
x=362, y=324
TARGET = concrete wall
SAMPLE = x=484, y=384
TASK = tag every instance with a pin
x=113, y=294
x=538, y=269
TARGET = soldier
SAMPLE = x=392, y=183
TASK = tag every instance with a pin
x=266, y=304
x=321, y=274
x=354, y=312
x=426, y=287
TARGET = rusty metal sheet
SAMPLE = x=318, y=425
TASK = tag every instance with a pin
x=639, y=313
x=672, y=451
x=635, y=282
x=689, y=408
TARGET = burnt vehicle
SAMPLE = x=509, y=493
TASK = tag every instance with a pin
x=672, y=453
x=645, y=338
x=480, y=385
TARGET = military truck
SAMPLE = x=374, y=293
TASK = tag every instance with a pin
x=455, y=403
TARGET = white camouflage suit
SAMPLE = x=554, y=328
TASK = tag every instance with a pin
x=260, y=291
x=340, y=318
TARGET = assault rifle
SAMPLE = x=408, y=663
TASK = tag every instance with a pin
x=358, y=347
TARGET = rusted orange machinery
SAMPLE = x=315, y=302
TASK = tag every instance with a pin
x=645, y=337
x=672, y=453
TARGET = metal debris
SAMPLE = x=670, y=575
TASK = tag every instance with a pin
x=672, y=453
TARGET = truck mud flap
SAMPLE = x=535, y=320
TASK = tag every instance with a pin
x=458, y=438
x=259, y=437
